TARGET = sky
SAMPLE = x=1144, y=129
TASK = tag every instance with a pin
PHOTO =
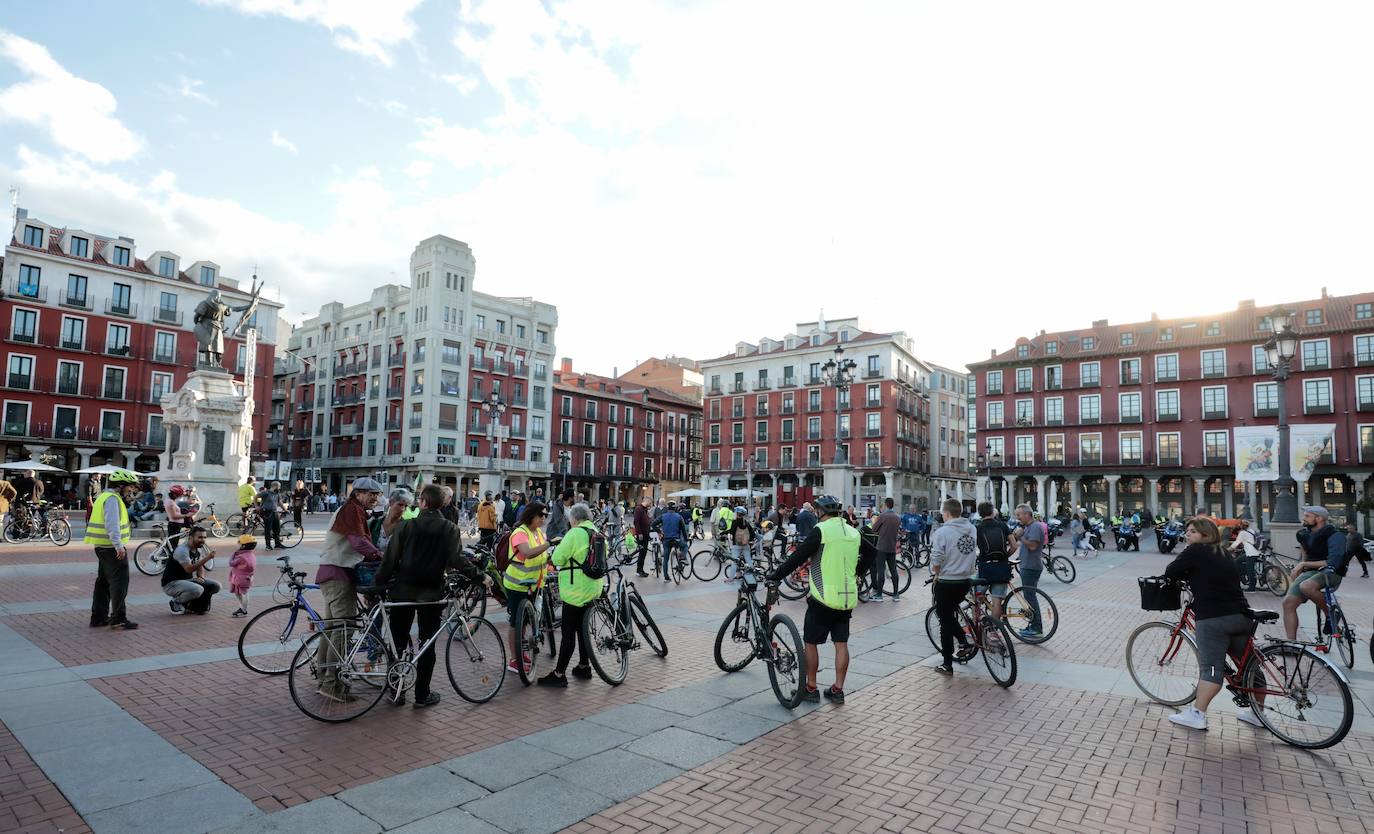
x=683, y=175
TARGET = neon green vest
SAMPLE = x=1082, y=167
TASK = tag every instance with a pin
x=95, y=528
x=833, y=583
x=529, y=570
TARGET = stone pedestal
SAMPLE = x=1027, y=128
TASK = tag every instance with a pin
x=492, y=482
x=838, y=480
x=1284, y=537
x=209, y=426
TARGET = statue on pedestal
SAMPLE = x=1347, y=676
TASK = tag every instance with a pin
x=210, y=316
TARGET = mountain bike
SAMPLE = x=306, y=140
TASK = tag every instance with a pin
x=1061, y=566
x=903, y=583
x=35, y=523
x=749, y=632
x=982, y=633
x=362, y=656
x=1297, y=694
x=608, y=628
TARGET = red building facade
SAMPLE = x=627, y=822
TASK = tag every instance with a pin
x=1140, y=415
x=608, y=436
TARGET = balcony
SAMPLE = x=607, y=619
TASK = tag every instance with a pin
x=813, y=379
x=1130, y=418
x=1092, y=382
x=788, y=382
x=738, y=412
x=1170, y=460
x=762, y=385
x=447, y=389
x=417, y=421
x=1217, y=460
x=813, y=435
x=1085, y=459
x=873, y=432
x=448, y=425
x=396, y=360
x=112, y=435
x=395, y=392
x=345, y=429
x=734, y=441
x=737, y=388
x=537, y=434
x=1052, y=421
x=1130, y=378
x=1166, y=376
x=517, y=431
x=1214, y=373
x=812, y=407
x=76, y=302
x=119, y=350
x=788, y=408
x=994, y=424
x=1214, y=414
x=1317, y=409
x=393, y=424
x=17, y=428
x=872, y=373
x=813, y=460
x=1089, y=421
x=873, y=460
x=713, y=391
x=1053, y=384
x=516, y=402
x=787, y=437
x=417, y=356
x=417, y=389
x=1167, y=416
x=761, y=438
x=1132, y=460
x=124, y=309
x=993, y=390
x=1274, y=411
x=71, y=344
x=167, y=315
x=873, y=403
x=540, y=374
x=374, y=393
x=1367, y=452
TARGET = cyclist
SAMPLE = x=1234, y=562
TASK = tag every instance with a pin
x=108, y=530
x=696, y=520
x=1031, y=540
x=725, y=516
x=528, y=560
x=248, y=496
x=805, y=521
x=742, y=535
x=674, y=532
x=271, y=501
x=1245, y=551
x=913, y=521
x=417, y=558
x=1219, y=609
x=1323, y=566
x=346, y=546
x=994, y=555
x=837, y=554
x=577, y=591
x=643, y=523
x=953, y=559
x=885, y=526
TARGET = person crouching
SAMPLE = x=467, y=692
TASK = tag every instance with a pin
x=183, y=579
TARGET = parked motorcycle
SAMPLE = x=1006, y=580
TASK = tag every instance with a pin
x=1168, y=534
x=1097, y=534
x=1127, y=536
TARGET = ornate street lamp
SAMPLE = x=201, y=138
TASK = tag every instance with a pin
x=1279, y=352
x=838, y=373
x=564, y=458
x=493, y=407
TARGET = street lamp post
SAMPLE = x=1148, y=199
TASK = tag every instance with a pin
x=1279, y=352
x=839, y=374
x=564, y=458
x=493, y=407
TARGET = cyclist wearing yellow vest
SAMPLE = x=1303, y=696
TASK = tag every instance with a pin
x=108, y=530
x=837, y=554
x=529, y=559
x=248, y=495
x=577, y=591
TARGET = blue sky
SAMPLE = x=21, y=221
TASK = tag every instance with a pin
x=919, y=164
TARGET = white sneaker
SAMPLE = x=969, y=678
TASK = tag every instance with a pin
x=1191, y=717
x=1248, y=716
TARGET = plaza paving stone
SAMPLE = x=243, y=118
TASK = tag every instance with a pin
x=678, y=746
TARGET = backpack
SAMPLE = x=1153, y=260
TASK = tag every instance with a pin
x=502, y=552
x=994, y=545
x=594, y=565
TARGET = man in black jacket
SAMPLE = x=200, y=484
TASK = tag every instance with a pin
x=417, y=557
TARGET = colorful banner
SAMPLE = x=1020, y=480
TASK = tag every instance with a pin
x=1308, y=442
x=1257, y=453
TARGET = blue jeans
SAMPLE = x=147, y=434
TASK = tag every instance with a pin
x=1030, y=580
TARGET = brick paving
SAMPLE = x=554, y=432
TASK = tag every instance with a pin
x=29, y=802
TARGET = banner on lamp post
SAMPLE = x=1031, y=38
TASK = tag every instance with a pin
x=1257, y=453
x=1308, y=443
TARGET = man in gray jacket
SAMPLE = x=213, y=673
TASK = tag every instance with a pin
x=953, y=559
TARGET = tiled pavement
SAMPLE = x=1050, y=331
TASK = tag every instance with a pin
x=910, y=751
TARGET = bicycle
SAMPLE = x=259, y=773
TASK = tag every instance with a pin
x=368, y=666
x=670, y=559
x=1273, y=570
x=1016, y=615
x=982, y=634
x=913, y=554
x=535, y=624
x=778, y=644
x=707, y=563
x=34, y=523
x=609, y=626
x=1291, y=689
x=1333, y=628
x=150, y=557
x=903, y=572
x=277, y=625
x=290, y=533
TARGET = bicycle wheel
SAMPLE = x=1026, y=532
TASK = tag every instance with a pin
x=1315, y=708
x=358, y=660
x=656, y=554
x=705, y=565
x=476, y=660
x=291, y=534
x=796, y=584
x=785, y=672
x=527, y=639
x=639, y=612
x=933, y=627
x=734, y=642
x=607, y=650
x=60, y=531
x=150, y=558
x=266, y=645
x=1063, y=569
x=903, y=578
x=1344, y=637
x=1163, y=664
x=1017, y=612
x=1275, y=579
x=999, y=652
x=923, y=556
x=16, y=532
x=236, y=525
x=219, y=529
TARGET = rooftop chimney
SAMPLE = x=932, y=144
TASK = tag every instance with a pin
x=1323, y=292
x=565, y=364
x=992, y=354
x=1100, y=323
x=1246, y=304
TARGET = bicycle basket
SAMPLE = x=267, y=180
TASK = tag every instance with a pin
x=1159, y=593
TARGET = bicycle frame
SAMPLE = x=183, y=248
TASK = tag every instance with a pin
x=1232, y=677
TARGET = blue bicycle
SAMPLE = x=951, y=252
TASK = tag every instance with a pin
x=265, y=644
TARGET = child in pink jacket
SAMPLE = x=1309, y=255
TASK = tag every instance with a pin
x=241, y=567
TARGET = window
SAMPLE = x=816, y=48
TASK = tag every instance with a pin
x=65, y=420
x=1316, y=354
x=1167, y=448
x=1213, y=328
x=165, y=347
x=1054, y=411
x=1127, y=339
x=1166, y=334
x=1266, y=399
x=875, y=396
x=167, y=267
x=1260, y=358
x=1316, y=396
x=1131, y=447
x=21, y=372
x=81, y=247
x=1214, y=363
x=117, y=339
x=1054, y=448
x=1216, y=446
x=76, y=290
x=591, y=409
x=1214, y=402
x=167, y=305
x=1166, y=405
x=1023, y=379
x=122, y=256
x=994, y=382
x=1166, y=367
x=73, y=333
x=17, y=419
x=25, y=326
x=500, y=325
x=33, y=236
x=1130, y=371
x=713, y=459
x=1054, y=377
x=874, y=424
x=761, y=431
x=1025, y=412
x=813, y=428
x=1089, y=408
x=1022, y=351
x=1364, y=311
x=542, y=336
x=1312, y=318
x=994, y=415
x=68, y=378
x=162, y=385
x=1089, y=373
x=1025, y=449
x=30, y=280
x=114, y=384
x=207, y=276
x=1090, y=449
x=1366, y=444
x=1051, y=347
x=1130, y=406
x=1364, y=350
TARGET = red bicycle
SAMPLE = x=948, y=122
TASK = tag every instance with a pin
x=1297, y=694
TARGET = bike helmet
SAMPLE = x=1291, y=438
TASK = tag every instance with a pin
x=176, y=491
x=741, y=511
x=123, y=478
x=829, y=505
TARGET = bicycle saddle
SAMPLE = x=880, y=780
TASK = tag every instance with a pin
x=1262, y=616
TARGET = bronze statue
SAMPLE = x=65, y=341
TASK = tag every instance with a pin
x=210, y=315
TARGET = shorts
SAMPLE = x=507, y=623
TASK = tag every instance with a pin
x=825, y=622
x=1218, y=636
x=1324, y=579
x=514, y=598
x=999, y=590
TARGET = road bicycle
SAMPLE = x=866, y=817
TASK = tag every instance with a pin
x=912, y=553
x=1273, y=570
x=291, y=533
x=749, y=632
x=362, y=656
x=536, y=625
x=1334, y=629
x=982, y=634
x=678, y=567
x=35, y=523
x=150, y=557
x=268, y=640
x=708, y=562
x=1016, y=615
x=1297, y=694
x=608, y=628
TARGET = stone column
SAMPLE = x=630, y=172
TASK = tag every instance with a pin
x=1360, y=519
x=1111, y=495
x=1201, y=485
x=889, y=481
x=1075, y=492
x=1042, y=493
x=959, y=491
x=1151, y=495
x=984, y=489
x=1228, y=497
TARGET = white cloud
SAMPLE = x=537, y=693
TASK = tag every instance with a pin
x=78, y=115
x=388, y=106
x=419, y=172
x=464, y=83
x=367, y=27
x=188, y=88
x=279, y=141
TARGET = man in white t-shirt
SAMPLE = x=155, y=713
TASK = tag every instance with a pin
x=1244, y=549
